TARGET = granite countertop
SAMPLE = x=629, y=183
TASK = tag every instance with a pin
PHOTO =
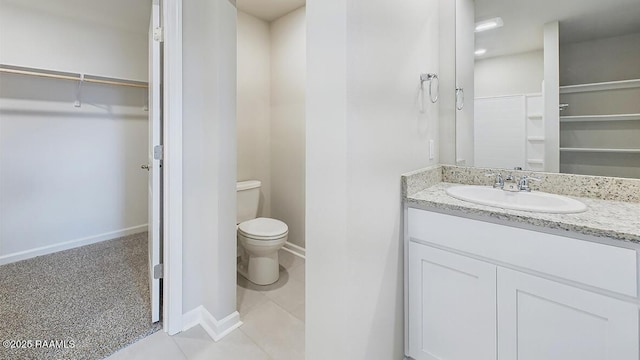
x=618, y=220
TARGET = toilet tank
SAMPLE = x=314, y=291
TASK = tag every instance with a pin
x=248, y=196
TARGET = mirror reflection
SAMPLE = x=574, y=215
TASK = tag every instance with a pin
x=549, y=86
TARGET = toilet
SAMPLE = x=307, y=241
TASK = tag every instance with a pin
x=259, y=239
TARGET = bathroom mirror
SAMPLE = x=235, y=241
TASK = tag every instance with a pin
x=548, y=85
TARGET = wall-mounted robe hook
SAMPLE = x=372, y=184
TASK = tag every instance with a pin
x=78, y=102
x=429, y=77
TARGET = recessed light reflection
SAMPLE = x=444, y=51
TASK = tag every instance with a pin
x=489, y=24
x=480, y=52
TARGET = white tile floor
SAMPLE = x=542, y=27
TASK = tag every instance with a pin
x=273, y=328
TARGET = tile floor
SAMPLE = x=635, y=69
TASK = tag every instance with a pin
x=273, y=328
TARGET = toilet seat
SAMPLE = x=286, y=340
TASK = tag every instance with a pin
x=263, y=229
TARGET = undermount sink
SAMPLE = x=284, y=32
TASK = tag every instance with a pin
x=525, y=201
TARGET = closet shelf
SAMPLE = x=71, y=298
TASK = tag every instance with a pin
x=601, y=150
x=19, y=70
x=585, y=118
x=602, y=86
x=535, y=161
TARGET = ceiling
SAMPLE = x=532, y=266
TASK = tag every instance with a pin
x=580, y=20
x=130, y=15
x=269, y=10
x=522, y=31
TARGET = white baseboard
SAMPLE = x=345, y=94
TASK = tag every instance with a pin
x=217, y=329
x=295, y=249
x=50, y=249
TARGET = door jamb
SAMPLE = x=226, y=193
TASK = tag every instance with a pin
x=172, y=182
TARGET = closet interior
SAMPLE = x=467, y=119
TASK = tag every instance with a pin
x=74, y=133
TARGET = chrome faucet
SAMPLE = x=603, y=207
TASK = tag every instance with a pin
x=499, y=182
x=509, y=182
x=523, y=184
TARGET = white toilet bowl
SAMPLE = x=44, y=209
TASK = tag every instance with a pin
x=260, y=240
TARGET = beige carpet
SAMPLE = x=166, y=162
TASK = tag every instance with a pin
x=88, y=302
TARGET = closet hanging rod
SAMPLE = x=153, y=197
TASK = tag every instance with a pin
x=71, y=76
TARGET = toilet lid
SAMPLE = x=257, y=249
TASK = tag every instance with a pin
x=263, y=227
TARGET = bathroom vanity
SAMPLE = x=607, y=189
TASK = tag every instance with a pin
x=483, y=282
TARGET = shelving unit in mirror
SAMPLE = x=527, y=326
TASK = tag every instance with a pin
x=600, y=83
x=602, y=150
x=615, y=117
x=600, y=129
x=600, y=86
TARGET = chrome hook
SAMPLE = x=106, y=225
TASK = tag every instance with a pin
x=430, y=77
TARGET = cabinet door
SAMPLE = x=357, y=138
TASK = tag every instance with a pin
x=452, y=306
x=541, y=319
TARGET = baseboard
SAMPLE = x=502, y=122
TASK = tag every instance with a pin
x=50, y=249
x=217, y=329
x=295, y=250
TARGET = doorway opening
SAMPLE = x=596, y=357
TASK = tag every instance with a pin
x=80, y=231
x=271, y=81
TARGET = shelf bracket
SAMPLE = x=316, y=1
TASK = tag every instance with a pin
x=78, y=102
x=146, y=101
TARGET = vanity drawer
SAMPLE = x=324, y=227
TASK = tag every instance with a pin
x=603, y=266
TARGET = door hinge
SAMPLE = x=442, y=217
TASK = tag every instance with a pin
x=158, y=34
x=158, y=152
x=158, y=271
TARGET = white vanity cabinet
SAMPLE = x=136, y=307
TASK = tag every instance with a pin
x=543, y=319
x=478, y=290
x=452, y=306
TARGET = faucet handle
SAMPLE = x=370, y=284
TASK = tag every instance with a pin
x=525, y=177
x=523, y=184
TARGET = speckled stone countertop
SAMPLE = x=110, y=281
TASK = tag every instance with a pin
x=605, y=218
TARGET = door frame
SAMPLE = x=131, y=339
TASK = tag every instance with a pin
x=154, y=165
x=172, y=166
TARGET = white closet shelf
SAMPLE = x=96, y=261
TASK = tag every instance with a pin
x=601, y=150
x=535, y=161
x=20, y=70
x=602, y=86
x=585, y=118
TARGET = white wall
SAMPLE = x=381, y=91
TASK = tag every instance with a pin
x=447, y=54
x=33, y=38
x=465, y=48
x=254, y=105
x=551, y=91
x=517, y=74
x=69, y=176
x=500, y=132
x=209, y=155
x=608, y=59
x=364, y=129
x=288, y=80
